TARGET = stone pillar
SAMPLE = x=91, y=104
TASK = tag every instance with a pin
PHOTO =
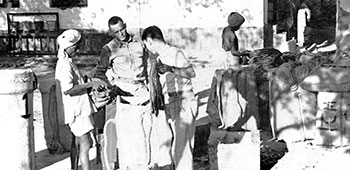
x=16, y=127
x=268, y=29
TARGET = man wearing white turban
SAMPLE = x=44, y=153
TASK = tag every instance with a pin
x=73, y=97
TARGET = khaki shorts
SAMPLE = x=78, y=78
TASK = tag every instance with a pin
x=81, y=125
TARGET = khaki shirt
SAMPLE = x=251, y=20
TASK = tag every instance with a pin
x=122, y=64
x=67, y=75
x=172, y=82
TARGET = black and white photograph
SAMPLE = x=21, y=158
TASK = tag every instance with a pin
x=175, y=84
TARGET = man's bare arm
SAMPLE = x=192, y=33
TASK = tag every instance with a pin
x=81, y=88
x=187, y=72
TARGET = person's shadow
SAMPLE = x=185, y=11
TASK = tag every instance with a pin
x=238, y=109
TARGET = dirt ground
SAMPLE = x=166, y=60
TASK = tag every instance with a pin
x=299, y=156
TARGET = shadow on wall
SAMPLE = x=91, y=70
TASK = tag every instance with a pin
x=250, y=38
x=182, y=37
x=343, y=20
x=205, y=43
x=202, y=38
x=316, y=109
x=189, y=4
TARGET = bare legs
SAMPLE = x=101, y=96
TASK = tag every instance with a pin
x=80, y=151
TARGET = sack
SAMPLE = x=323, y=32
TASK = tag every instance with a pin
x=156, y=94
x=283, y=77
x=233, y=100
x=328, y=78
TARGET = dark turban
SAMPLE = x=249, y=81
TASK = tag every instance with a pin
x=235, y=20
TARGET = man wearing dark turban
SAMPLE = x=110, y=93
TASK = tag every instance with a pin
x=229, y=38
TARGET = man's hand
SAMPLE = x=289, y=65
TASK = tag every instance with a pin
x=163, y=68
x=142, y=76
x=96, y=83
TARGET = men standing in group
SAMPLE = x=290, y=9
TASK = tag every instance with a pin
x=122, y=66
x=180, y=103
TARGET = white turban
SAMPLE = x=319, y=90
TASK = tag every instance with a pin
x=67, y=39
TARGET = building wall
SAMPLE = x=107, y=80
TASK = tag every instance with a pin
x=192, y=24
x=164, y=13
x=343, y=17
x=343, y=26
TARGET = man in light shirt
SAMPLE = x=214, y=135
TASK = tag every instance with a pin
x=180, y=103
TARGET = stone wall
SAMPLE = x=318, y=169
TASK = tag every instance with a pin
x=343, y=17
x=343, y=27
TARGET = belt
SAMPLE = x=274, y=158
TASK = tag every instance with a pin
x=128, y=80
x=127, y=102
x=179, y=93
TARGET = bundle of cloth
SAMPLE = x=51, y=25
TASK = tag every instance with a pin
x=289, y=68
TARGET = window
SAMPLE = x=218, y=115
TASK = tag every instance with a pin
x=2, y=3
x=68, y=3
